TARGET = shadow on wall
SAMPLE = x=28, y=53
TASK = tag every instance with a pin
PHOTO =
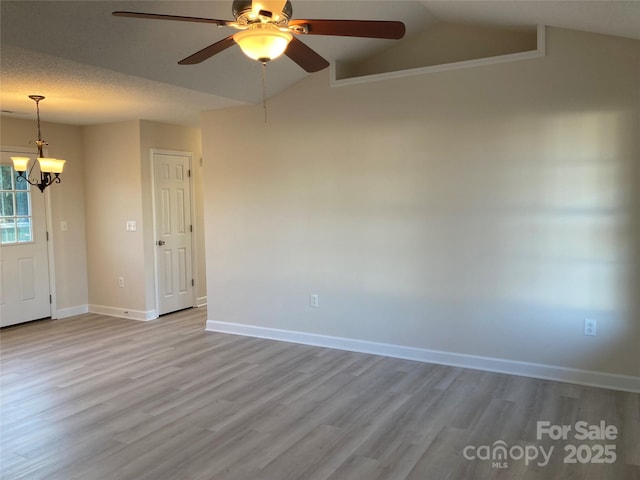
x=515, y=246
x=489, y=232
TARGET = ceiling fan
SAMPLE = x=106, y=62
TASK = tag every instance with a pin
x=266, y=31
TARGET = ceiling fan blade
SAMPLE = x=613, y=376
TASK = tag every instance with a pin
x=208, y=52
x=157, y=16
x=351, y=28
x=304, y=56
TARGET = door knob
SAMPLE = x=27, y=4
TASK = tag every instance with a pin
x=160, y=242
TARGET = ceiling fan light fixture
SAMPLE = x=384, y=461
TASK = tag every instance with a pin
x=263, y=41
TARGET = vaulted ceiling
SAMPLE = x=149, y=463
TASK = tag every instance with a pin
x=96, y=68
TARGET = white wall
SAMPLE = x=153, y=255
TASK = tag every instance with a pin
x=484, y=211
x=120, y=154
x=67, y=204
x=106, y=182
x=114, y=181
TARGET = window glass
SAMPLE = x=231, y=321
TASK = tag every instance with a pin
x=6, y=177
x=8, y=229
x=16, y=225
x=6, y=204
x=21, y=185
x=23, y=228
x=22, y=203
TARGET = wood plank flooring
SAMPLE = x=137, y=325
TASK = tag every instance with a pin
x=99, y=398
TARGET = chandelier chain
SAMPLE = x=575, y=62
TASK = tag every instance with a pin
x=38, y=119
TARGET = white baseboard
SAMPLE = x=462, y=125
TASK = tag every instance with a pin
x=525, y=369
x=201, y=301
x=124, y=313
x=71, y=311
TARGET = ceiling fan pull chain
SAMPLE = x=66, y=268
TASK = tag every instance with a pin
x=264, y=90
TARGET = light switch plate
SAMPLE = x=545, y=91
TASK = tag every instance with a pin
x=132, y=226
x=314, y=300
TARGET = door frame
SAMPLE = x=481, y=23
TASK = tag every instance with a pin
x=32, y=152
x=194, y=253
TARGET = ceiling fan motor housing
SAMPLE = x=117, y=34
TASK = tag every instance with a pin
x=243, y=13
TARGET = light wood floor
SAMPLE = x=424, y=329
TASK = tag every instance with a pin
x=100, y=398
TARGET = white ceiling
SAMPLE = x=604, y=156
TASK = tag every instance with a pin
x=96, y=68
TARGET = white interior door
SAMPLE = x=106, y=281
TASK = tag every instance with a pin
x=173, y=231
x=24, y=262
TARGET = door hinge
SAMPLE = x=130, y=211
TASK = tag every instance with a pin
x=191, y=228
x=47, y=236
x=189, y=173
x=50, y=300
x=193, y=282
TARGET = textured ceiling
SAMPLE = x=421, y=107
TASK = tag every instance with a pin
x=96, y=68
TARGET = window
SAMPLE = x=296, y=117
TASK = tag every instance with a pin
x=16, y=225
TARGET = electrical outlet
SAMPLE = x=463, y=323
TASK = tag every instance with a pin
x=121, y=282
x=314, y=300
x=590, y=327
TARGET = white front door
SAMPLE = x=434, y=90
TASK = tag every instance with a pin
x=24, y=262
x=173, y=231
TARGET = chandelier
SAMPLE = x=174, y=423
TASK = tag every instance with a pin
x=50, y=168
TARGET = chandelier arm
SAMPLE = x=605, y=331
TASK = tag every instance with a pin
x=24, y=177
x=46, y=179
x=28, y=173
